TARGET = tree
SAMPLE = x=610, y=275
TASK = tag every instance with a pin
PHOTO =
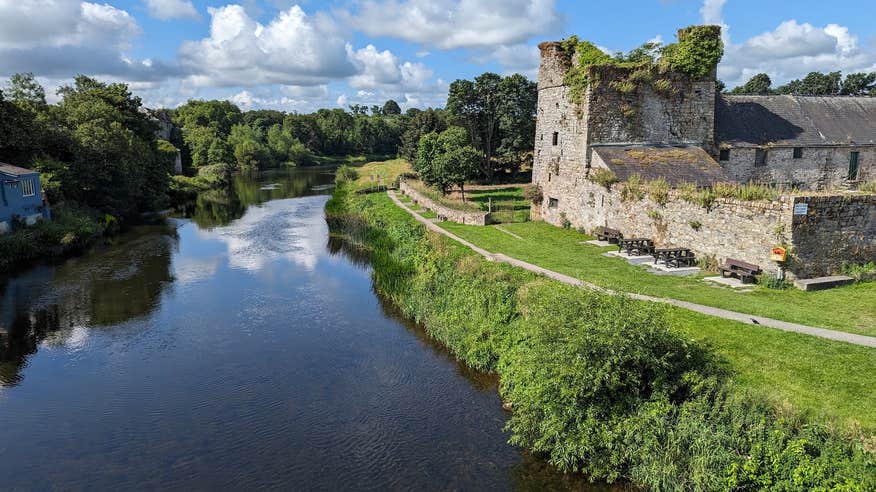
x=518, y=98
x=445, y=160
x=475, y=106
x=116, y=167
x=760, y=85
x=25, y=91
x=391, y=108
x=457, y=161
x=421, y=123
x=814, y=84
x=859, y=84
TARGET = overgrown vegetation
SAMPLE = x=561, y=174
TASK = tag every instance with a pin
x=860, y=272
x=633, y=190
x=599, y=384
x=71, y=230
x=604, y=177
x=696, y=54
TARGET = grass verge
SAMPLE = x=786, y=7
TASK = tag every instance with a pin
x=612, y=387
x=849, y=308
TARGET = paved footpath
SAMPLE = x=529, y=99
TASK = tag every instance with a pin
x=709, y=310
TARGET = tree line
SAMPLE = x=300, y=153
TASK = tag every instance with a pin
x=813, y=84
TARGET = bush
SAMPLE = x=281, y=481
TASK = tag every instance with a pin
x=632, y=189
x=659, y=191
x=345, y=174
x=72, y=229
x=532, y=192
x=860, y=272
x=868, y=187
x=604, y=177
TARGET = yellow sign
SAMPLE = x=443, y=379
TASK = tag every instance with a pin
x=778, y=254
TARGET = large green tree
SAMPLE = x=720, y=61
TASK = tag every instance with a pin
x=447, y=159
x=116, y=165
x=759, y=85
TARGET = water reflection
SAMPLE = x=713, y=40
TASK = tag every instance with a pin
x=215, y=208
x=111, y=285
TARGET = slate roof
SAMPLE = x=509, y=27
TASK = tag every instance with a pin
x=676, y=164
x=797, y=121
x=14, y=170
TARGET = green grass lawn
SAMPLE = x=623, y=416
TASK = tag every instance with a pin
x=851, y=308
x=831, y=380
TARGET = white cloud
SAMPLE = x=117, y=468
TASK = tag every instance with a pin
x=789, y=51
x=293, y=48
x=342, y=101
x=450, y=24
x=172, y=9
x=518, y=58
x=376, y=68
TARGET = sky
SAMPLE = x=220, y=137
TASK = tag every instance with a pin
x=301, y=55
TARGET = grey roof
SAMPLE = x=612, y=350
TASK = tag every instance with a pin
x=676, y=164
x=14, y=170
x=795, y=120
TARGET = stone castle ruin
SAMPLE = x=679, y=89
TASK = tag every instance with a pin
x=666, y=121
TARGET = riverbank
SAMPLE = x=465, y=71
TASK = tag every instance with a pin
x=70, y=231
x=601, y=384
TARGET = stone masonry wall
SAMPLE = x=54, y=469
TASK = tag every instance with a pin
x=684, y=115
x=445, y=213
x=835, y=229
x=730, y=229
x=819, y=168
x=557, y=168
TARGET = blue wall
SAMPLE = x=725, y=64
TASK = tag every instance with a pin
x=12, y=201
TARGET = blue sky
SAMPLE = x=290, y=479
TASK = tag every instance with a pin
x=306, y=54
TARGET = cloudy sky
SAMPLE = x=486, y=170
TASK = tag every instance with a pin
x=299, y=55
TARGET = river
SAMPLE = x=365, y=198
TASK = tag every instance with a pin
x=236, y=347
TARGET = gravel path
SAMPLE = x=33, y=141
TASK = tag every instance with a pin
x=709, y=310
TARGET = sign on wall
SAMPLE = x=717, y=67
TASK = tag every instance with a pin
x=778, y=254
x=801, y=208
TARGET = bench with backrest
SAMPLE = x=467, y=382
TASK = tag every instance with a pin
x=608, y=234
x=740, y=269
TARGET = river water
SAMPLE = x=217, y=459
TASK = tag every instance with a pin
x=238, y=348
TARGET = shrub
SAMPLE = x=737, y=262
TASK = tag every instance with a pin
x=604, y=177
x=532, y=192
x=659, y=191
x=654, y=215
x=564, y=221
x=579, y=362
x=687, y=192
x=695, y=225
x=71, y=229
x=868, y=187
x=772, y=281
x=345, y=174
x=708, y=263
x=860, y=272
x=632, y=189
x=705, y=198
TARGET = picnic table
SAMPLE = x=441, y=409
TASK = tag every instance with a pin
x=676, y=257
x=638, y=245
x=743, y=270
x=608, y=234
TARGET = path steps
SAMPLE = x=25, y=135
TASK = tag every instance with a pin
x=749, y=319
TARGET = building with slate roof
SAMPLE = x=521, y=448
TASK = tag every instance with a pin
x=810, y=143
x=687, y=134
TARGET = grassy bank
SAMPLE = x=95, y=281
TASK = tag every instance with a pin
x=605, y=385
x=848, y=308
x=70, y=231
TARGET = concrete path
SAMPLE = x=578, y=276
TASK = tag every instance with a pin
x=708, y=310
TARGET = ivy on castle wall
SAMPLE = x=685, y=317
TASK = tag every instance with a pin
x=696, y=54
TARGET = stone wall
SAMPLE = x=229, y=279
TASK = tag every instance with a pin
x=834, y=229
x=556, y=167
x=685, y=114
x=444, y=213
x=819, y=168
x=729, y=229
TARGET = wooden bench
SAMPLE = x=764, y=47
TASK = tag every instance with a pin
x=676, y=257
x=608, y=234
x=740, y=269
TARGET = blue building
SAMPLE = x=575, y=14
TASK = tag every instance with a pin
x=20, y=196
